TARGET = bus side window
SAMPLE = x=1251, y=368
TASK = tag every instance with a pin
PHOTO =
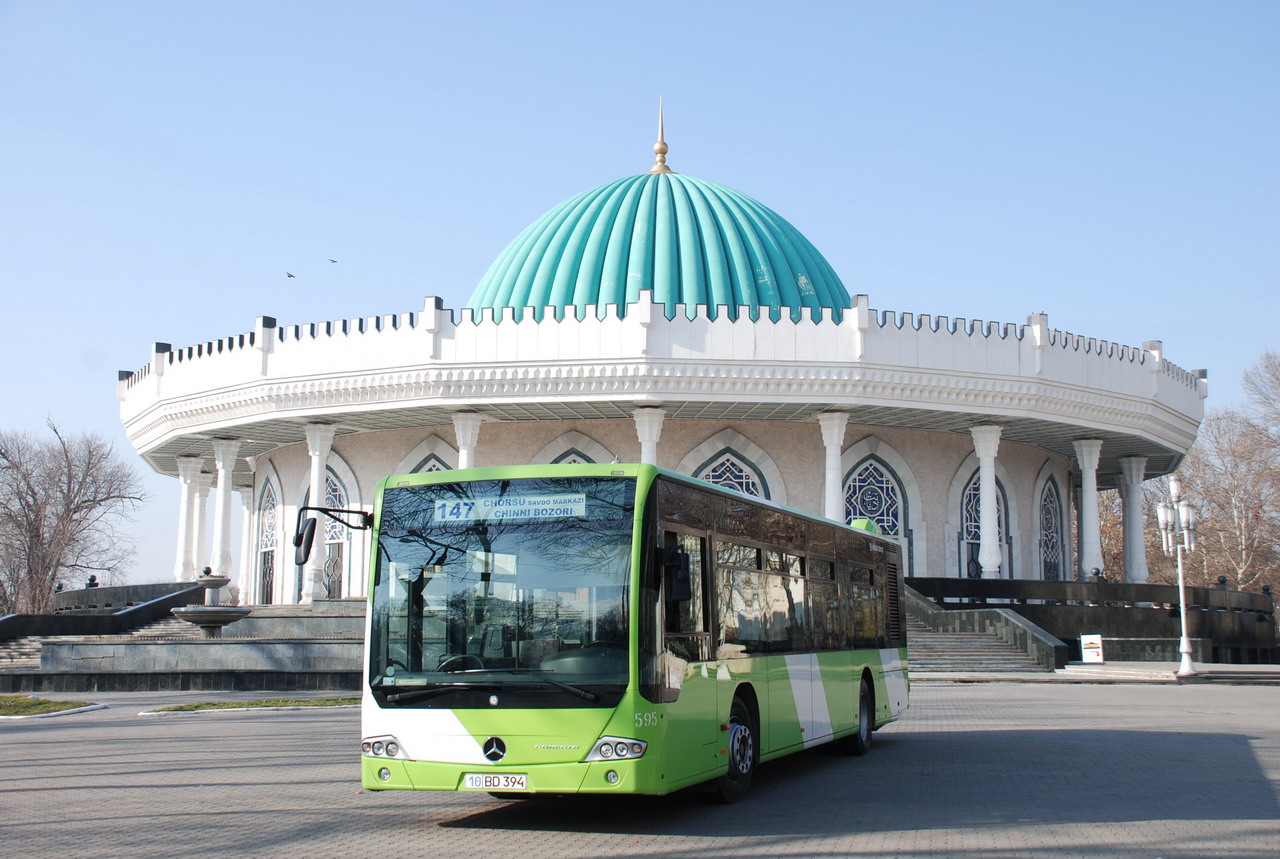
x=686, y=620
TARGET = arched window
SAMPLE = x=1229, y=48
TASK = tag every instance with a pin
x=971, y=530
x=336, y=536
x=431, y=463
x=872, y=491
x=734, y=461
x=572, y=456
x=268, y=519
x=572, y=447
x=1050, y=532
x=732, y=471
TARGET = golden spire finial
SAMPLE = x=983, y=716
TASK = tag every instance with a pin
x=660, y=148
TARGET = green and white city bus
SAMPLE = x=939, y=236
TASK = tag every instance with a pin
x=616, y=629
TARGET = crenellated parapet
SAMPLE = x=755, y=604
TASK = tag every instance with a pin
x=423, y=365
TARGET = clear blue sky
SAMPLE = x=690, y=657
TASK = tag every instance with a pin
x=163, y=164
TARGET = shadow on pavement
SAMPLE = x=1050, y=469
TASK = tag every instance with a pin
x=942, y=780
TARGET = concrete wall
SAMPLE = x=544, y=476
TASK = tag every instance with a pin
x=200, y=655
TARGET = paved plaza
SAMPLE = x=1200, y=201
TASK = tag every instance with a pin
x=986, y=770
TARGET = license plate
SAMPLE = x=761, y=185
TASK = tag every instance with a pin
x=495, y=781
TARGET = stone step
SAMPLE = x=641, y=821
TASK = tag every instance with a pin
x=962, y=652
x=20, y=653
x=169, y=627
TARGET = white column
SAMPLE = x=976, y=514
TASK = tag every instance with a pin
x=200, y=521
x=224, y=458
x=1088, y=452
x=248, y=569
x=183, y=566
x=833, y=426
x=319, y=442
x=466, y=429
x=986, y=441
x=649, y=430
x=1077, y=527
x=1134, y=470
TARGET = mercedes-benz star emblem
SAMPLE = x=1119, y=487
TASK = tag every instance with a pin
x=494, y=749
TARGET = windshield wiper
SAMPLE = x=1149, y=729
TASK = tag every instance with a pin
x=559, y=684
x=419, y=694
x=535, y=673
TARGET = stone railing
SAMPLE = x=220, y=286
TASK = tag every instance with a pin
x=1142, y=621
x=1010, y=627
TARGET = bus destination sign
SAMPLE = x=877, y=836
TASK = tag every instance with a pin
x=512, y=507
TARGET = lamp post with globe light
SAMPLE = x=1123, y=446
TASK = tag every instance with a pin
x=1177, y=523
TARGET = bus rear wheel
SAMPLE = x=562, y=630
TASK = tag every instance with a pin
x=743, y=754
x=859, y=742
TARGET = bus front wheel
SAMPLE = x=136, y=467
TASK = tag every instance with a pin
x=743, y=754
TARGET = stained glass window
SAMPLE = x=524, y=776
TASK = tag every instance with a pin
x=1050, y=533
x=334, y=497
x=335, y=537
x=971, y=529
x=732, y=473
x=871, y=492
x=970, y=508
x=432, y=463
x=267, y=513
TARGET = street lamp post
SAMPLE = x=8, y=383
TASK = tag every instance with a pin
x=1177, y=523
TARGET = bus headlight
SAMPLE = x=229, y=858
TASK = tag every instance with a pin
x=381, y=747
x=609, y=748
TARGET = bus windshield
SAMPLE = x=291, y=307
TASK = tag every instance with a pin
x=519, y=583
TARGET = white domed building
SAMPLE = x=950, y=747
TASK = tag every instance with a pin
x=665, y=319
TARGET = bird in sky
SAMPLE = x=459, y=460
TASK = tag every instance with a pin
x=289, y=274
x=333, y=260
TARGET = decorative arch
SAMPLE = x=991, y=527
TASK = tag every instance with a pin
x=573, y=447
x=962, y=481
x=1051, y=560
x=970, y=531
x=729, y=456
x=344, y=575
x=433, y=454
x=269, y=522
x=912, y=529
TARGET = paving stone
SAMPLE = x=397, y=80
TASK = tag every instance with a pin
x=986, y=770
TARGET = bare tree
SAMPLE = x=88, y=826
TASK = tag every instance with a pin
x=62, y=504
x=1111, y=532
x=1262, y=382
x=1230, y=476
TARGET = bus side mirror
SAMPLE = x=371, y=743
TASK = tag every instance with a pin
x=302, y=542
x=676, y=567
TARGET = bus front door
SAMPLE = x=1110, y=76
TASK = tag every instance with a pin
x=692, y=727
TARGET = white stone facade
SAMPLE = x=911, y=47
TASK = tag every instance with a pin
x=429, y=390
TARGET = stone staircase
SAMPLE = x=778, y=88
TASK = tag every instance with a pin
x=24, y=653
x=20, y=653
x=168, y=627
x=931, y=652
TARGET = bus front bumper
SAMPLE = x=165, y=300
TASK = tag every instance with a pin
x=617, y=776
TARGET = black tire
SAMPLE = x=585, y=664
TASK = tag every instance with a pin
x=744, y=754
x=859, y=742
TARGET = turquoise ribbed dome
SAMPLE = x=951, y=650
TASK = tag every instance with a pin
x=686, y=240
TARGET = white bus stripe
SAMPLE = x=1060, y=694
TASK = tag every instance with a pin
x=810, y=697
